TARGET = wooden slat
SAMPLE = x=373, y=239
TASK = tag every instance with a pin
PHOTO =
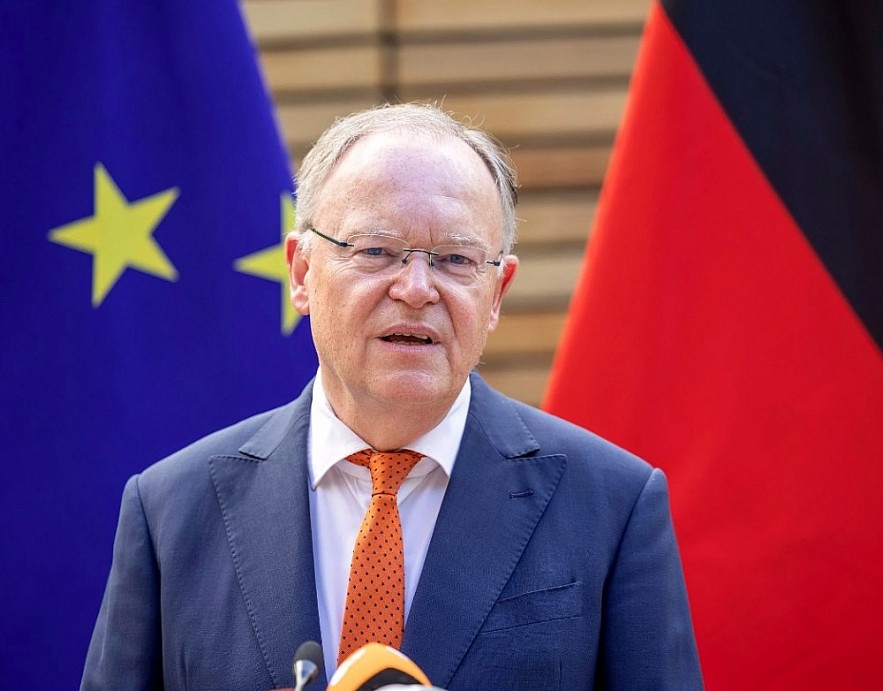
x=540, y=113
x=544, y=280
x=507, y=61
x=564, y=217
x=447, y=15
x=272, y=21
x=323, y=69
x=526, y=333
x=555, y=167
x=525, y=383
x=302, y=123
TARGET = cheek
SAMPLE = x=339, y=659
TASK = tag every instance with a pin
x=341, y=303
x=472, y=320
x=323, y=312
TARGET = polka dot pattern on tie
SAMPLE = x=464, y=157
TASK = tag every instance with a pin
x=375, y=596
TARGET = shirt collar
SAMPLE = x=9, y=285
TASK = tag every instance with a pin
x=331, y=441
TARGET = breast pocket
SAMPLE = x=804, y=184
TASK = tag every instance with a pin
x=548, y=604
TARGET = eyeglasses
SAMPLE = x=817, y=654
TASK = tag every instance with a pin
x=375, y=253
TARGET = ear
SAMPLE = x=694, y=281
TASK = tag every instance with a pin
x=298, y=274
x=510, y=266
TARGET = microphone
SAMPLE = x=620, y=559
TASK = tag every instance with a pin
x=374, y=666
x=307, y=664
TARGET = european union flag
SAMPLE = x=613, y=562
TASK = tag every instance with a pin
x=143, y=194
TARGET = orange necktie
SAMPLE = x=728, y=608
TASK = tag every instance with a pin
x=375, y=596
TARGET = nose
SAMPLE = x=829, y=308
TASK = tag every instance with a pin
x=414, y=283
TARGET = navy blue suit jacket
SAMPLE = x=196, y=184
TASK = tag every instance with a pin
x=553, y=565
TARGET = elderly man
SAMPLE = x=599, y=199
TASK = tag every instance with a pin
x=399, y=499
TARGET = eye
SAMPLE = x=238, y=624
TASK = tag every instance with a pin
x=458, y=259
x=367, y=247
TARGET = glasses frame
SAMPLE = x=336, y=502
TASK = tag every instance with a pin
x=407, y=250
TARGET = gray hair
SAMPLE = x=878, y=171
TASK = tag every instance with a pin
x=414, y=118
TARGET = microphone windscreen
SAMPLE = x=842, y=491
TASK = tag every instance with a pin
x=374, y=666
x=307, y=664
x=309, y=651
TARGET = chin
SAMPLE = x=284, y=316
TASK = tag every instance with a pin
x=414, y=387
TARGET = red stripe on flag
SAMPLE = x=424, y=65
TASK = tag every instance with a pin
x=706, y=336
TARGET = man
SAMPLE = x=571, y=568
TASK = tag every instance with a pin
x=535, y=555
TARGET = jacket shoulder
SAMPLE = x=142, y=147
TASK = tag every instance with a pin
x=253, y=439
x=555, y=432
x=526, y=430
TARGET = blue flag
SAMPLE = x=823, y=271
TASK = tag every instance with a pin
x=143, y=196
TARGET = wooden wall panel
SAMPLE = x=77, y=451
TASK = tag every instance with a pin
x=527, y=333
x=520, y=118
x=545, y=280
x=548, y=78
x=463, y=15
x=561, y=167
x=323, y=69
x=524, y=381
x=515, y=61
x=303, y=122
x=555, y=219
x=287, y=21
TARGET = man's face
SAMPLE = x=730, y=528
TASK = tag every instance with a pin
x=428, y=193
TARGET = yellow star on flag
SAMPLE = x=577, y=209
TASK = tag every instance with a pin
x=270, y=264
x=119, y=235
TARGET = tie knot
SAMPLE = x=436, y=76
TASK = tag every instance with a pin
x=388, y=468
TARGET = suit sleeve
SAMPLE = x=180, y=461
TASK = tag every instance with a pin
x=125, y=651
x=647, y=636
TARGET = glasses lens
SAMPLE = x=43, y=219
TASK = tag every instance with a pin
x=372, y=253
x=460, y=261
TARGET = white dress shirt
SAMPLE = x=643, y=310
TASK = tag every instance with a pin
x=340, y=492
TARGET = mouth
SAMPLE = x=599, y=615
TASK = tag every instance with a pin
x=407, y=339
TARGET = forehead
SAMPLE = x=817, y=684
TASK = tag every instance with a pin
x=412, y=184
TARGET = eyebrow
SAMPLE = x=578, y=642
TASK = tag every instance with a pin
x=457, y=239
x=452, y=239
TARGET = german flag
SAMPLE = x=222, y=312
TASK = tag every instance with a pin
x=728, y=321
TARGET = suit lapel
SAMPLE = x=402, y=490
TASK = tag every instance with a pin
x=496, y=496
x=263, y=493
